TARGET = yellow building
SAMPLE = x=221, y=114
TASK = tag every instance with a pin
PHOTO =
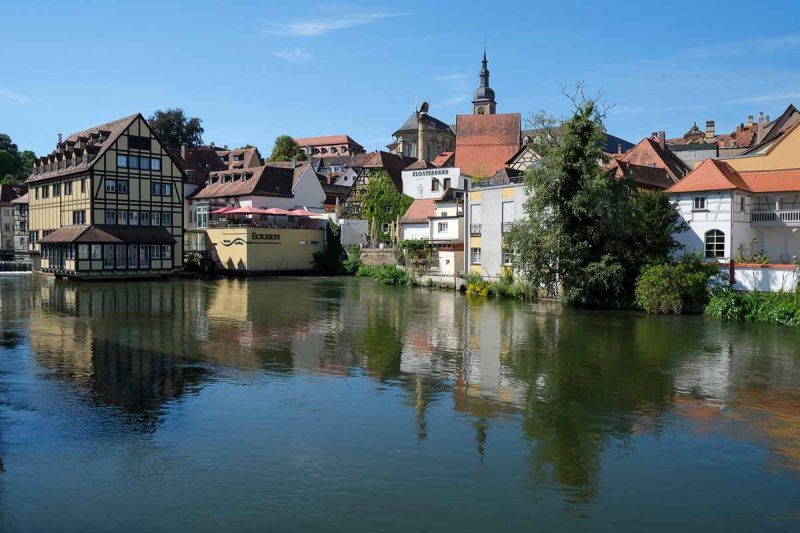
x=254, y=249
x=778, y=148
x=107, y=202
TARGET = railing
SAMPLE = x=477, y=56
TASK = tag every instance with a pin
x=788, y=215
x=474, y=229
x=16, y=266
x=259, y=224
x=506, y=227
x=495, y=182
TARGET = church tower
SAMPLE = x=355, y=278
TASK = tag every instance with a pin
x=483, y=100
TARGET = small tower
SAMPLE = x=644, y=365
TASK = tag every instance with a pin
x=483, y=100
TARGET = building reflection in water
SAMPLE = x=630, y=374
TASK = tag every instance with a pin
x=577, y=382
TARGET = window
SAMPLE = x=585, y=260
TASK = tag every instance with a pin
x=133, y=161
x=385, y=227
x=46, y=191
x=122, y=218
x=447, y=183
x=155, y=251
x=83, y=251
x=121, y=261
x=155, y=189
x=166, y=251
x=715, y=243
x=144, y=163
x=699, y=203
x=97, y=251
x=475, y=256
x=434, y=185
x=37, y=192
x=156, y=219
x=442, y=227
x=144, y=256
x=508, y=216
x=111, y=216
x=111, y=185
x=166, y=219
x=741, y=204
x=122, y=187
x=145, y=218
x=133, y=218
x=137, y=142
x=56, y=189
x=108, y=256
x=83, y=185
x=506, y=257
x=166, y=189
x=133, y=255
x=67, y=188
x=122, y=161
x=79, y=217
x=387, y=209
x=155, y=163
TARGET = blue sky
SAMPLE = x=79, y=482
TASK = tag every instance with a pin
x=254, y=70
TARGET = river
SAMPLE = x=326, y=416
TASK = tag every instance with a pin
x=337, y=404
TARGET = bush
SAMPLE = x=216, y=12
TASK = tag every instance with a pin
x=674, y=289
x=386, y=275
x=772, y=307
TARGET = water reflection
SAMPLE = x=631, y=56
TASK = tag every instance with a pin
x=577, y=384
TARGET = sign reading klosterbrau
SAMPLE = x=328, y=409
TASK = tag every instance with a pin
x=274, y=237
x=431, y=182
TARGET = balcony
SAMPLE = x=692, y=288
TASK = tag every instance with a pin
x=474, y=229
x=776, y=217
x=506, y=227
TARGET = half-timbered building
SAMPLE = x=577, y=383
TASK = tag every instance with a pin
x=107, y=202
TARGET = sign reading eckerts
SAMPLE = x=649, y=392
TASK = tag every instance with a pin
x=431, y=182
x=255, y=236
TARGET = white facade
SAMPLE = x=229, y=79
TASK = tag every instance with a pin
x=6, y=229
x=751, y=222
x=416, y=231
x=431, y=182
x=347, y=179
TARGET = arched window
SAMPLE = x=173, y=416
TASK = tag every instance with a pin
x=715, y=243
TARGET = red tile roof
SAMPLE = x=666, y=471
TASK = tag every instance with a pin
x=110, y=234
x=716, y=175
x=420, y=165
x=485, y=142
x=648, y=153
x=324, y=140
x=443, y=159
x=644, y=177
x=419, y=211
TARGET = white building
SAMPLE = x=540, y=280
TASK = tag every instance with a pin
x=431, y=182
x=732, y=213
x=440, y=221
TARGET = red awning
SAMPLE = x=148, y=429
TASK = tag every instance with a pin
x=277, y=211
x=303, y=213
x=222, y=210
x=247, y=211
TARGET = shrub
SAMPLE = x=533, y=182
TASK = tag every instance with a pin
x=772, y=307
x=674, y=289
x=386, y=274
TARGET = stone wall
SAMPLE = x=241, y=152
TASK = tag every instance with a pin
x=387, y=256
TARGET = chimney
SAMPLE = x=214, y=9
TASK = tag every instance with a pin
x=662, y=140
x=184, y=148
x=619, y=148
x=760, y=132
x=710, y=130
x=59, y=138
x=422, y=126
x=749, y=120
x=294, y=162
x=766, y=121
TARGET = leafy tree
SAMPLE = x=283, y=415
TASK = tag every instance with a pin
x=587, y=234
x=14, y=165
x=285, y=149
x=382, y=202
x=175, y=129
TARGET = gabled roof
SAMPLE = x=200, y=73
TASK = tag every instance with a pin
x=419, y=211
x=420, y=165
x=21, y=200
x=9, y=193
x=202, y=161
x=97, y=141
x=267, y=180
x=648, y=153
x=392, y=163
x=443, y=159
x=102, y=233
x=250, y=157
x=303, y=142
x=644, y=177
x=711, y=175
x=787, y=121
x=485, y=142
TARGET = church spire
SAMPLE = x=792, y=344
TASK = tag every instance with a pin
x=483, y=102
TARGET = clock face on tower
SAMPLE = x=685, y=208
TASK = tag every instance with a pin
x=481, y=110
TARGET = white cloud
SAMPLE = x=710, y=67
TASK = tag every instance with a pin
x=293, y=55
x=455, y=100
x=312, y=28
x=786, y=97
x=16, y=97
x=773, y=44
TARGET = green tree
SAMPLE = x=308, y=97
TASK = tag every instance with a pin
x=175, y=129
x=587, y=234
x=381, y=202
x=285, y=149
x=15, y=166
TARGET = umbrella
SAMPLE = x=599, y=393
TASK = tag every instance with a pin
x=222, y=210
x=277, y=211
x=303, y=213
x=248, y=211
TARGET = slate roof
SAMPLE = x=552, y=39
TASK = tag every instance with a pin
x=202, y=161
x=250, y=158
x=110, y=234
x=90, y=138
x=273, y=179
x=412, y=124
x=9, y=193
x=485, y=142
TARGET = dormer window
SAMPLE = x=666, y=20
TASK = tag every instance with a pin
x=85, y=158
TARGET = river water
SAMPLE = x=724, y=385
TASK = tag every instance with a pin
x=336, y=404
